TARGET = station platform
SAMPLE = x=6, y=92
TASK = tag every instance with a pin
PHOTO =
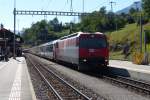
x=15, y=80
x=127, y=68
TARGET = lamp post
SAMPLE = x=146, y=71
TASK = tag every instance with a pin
x=141, y=24
x=141, y=30
x=14, y=46
x=14, y=37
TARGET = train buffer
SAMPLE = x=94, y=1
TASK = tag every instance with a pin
x=15, y=80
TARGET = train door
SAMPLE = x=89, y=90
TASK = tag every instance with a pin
x=55, y=50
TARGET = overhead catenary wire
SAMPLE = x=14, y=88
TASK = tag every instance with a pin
x=111, y=4
x=49, y=1
x=64, y=7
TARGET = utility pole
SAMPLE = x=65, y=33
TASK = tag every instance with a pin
x=14, y=43
x=141, y=30
x=71, y=8
x=136, y=4
x=18, y=27
x=83, y=6
x=111, y=4
x=137, y=10
x=141, y=25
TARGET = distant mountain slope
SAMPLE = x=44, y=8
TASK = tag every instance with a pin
x=127, y=9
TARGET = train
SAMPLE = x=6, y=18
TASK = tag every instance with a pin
x=80, y=49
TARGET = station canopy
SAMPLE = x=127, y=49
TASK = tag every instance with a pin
x=6, y=36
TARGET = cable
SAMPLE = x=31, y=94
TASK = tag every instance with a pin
x=49, y=1
x=65, y=5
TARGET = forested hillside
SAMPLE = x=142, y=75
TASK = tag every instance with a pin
x=101, y=21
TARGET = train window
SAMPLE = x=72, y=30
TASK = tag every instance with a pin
x=49, y=48
x=93, y=43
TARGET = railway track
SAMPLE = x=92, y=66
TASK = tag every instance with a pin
x=62, y=89
x=132, y=84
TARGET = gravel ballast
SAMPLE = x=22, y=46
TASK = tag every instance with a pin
x=100, y=87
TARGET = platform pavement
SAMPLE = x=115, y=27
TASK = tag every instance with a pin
x=15, y=81
x=127, y=68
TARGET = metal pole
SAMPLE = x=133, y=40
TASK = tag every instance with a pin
x=83, y=6
x=136, y=4
x=18, y=27
x=5, y=40
x=146, y=56
x=111, y=4
x=141, y=30
x=71, y=8
x=14, y=48
x=145, y=49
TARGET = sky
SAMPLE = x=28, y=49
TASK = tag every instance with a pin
x=7, y=6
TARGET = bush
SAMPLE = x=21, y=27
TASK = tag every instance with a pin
x=137, y=58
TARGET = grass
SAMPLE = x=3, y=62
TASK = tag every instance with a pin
x=116, y=55
x=124, y=34
x=130, y=33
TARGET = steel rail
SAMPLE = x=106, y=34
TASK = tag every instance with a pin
x=68, y=84
x=43, y=77
x=134, y=80
x=62, y=80
x=129, y=84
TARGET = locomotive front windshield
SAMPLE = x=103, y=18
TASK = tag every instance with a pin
x=93, y=43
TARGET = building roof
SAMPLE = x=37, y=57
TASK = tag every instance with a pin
x=6, y=35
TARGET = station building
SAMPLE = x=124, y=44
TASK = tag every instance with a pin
x=7, y=42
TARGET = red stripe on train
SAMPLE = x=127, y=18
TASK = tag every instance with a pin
x=85, y=53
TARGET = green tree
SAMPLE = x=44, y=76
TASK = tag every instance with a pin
x=56, y=26
x=102, y=21
x=146, y=7
x=132, y=11
x=103, y=10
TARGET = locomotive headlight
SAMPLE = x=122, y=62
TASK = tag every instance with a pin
x=84, y=60
x=106, y=60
